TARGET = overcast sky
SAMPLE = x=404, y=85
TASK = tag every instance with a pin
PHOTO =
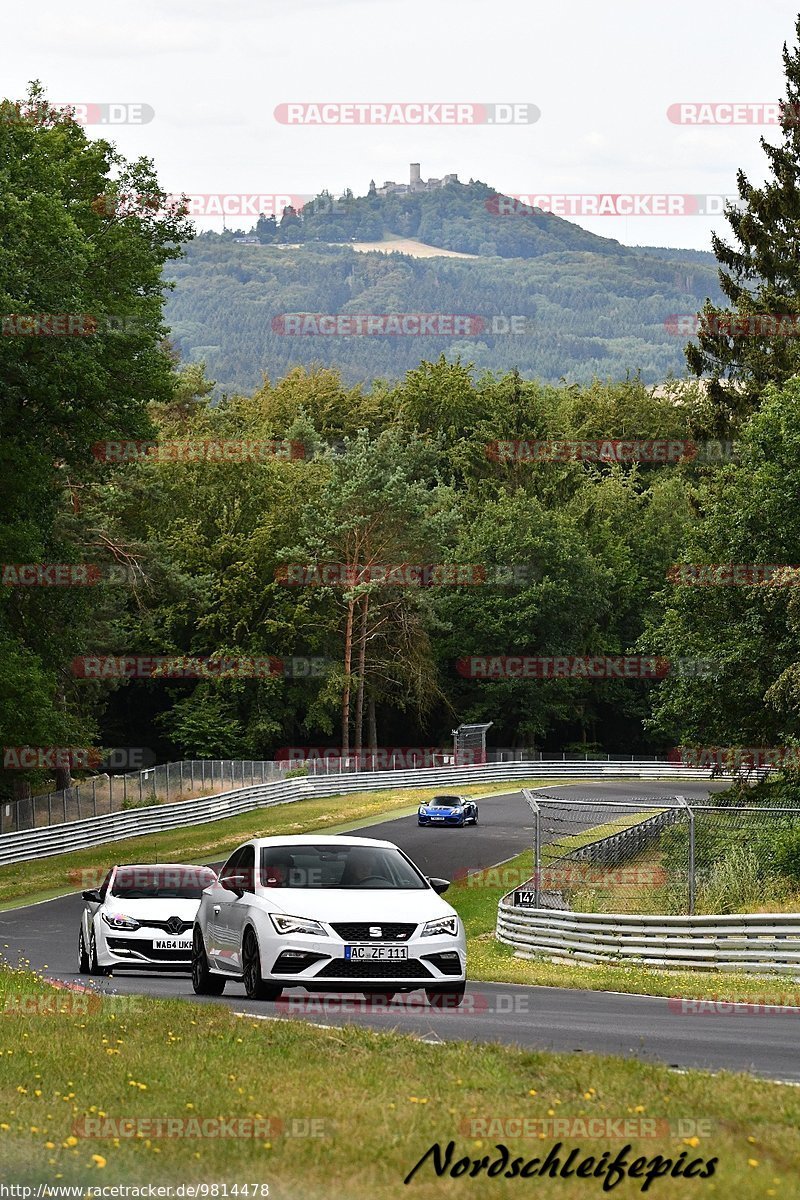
x=603, y=76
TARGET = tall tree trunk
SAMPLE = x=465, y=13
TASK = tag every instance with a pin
x=362, y=664
x=348, y=662
x=373, y=724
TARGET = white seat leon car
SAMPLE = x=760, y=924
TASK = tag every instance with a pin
x=332, y=914
x=141, y=917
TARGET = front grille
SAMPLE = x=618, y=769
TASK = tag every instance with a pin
x=174, y=925
x=359, y=931
x=146, y=948
x=447, y=962
x=343, y=968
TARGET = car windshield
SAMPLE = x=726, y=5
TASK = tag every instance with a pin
x=381, y=868
x=161, y=883
x=446, y=802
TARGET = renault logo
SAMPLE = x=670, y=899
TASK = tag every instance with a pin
x=174, y=925
x=375, y=931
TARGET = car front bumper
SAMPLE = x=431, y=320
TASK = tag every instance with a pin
x=431, y=962
x=137, y=948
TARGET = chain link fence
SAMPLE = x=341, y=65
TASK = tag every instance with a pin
x=669, y=855
x=163, y=784
x=190, y=779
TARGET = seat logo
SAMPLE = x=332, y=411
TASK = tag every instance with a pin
x=375, y=931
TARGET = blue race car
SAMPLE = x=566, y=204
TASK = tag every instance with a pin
x=448, y=810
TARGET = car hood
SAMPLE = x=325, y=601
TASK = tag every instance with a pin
x=154, y=910
x=356, y=904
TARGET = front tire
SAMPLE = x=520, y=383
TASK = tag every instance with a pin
x=83, y=954
x=451, y=997
x=94, y=965
x=254, y=985
x=203, y=982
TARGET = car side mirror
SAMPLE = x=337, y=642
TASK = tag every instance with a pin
x=235, y=883
x=439, y=885
x=92, y=895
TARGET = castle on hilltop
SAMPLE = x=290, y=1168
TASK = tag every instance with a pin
x=415, y=184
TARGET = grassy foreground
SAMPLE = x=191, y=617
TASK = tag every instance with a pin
x=345, y=1112
x=25, y=883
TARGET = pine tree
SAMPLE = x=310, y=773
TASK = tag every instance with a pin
x=742, y=349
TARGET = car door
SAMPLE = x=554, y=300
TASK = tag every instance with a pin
x=228, y=909
x=217, y=936
x=236, y=912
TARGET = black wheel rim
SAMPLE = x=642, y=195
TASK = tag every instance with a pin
x=251, y=971
x=197, y=961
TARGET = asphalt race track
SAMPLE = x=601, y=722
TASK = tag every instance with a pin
x=648, y=1028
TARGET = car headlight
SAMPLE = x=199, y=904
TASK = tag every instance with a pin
x=441, y=925
x=285, y=924
x=119, y=921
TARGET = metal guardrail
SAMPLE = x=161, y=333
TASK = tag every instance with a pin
x=756, y=942
x=94, y=831
x=617, y=847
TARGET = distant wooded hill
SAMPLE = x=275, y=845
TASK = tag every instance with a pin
x=593, y=306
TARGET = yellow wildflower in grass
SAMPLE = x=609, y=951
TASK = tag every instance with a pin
x=752, y=1162
x=70, y=1141
x=692, y=1141
x=98, y=1161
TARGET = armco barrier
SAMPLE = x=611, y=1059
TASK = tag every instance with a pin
x=768, y=943
x=94, y=831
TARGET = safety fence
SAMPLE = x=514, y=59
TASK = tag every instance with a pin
x=25, y=844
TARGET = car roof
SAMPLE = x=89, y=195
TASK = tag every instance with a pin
x=313, y=839
x=162, y=866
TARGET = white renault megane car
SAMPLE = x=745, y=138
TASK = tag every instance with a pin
x=141, y=916
x=333, y=914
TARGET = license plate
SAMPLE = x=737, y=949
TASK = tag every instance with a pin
x=172, y=944
x=375, y=953
x=437, y=818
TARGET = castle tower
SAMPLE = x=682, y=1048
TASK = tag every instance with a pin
x=415, y=175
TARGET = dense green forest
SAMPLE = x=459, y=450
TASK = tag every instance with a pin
x=591, y=313
x=384, y=461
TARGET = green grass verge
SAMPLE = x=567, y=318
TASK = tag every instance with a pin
x=45, y=878
x=376, y=1102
